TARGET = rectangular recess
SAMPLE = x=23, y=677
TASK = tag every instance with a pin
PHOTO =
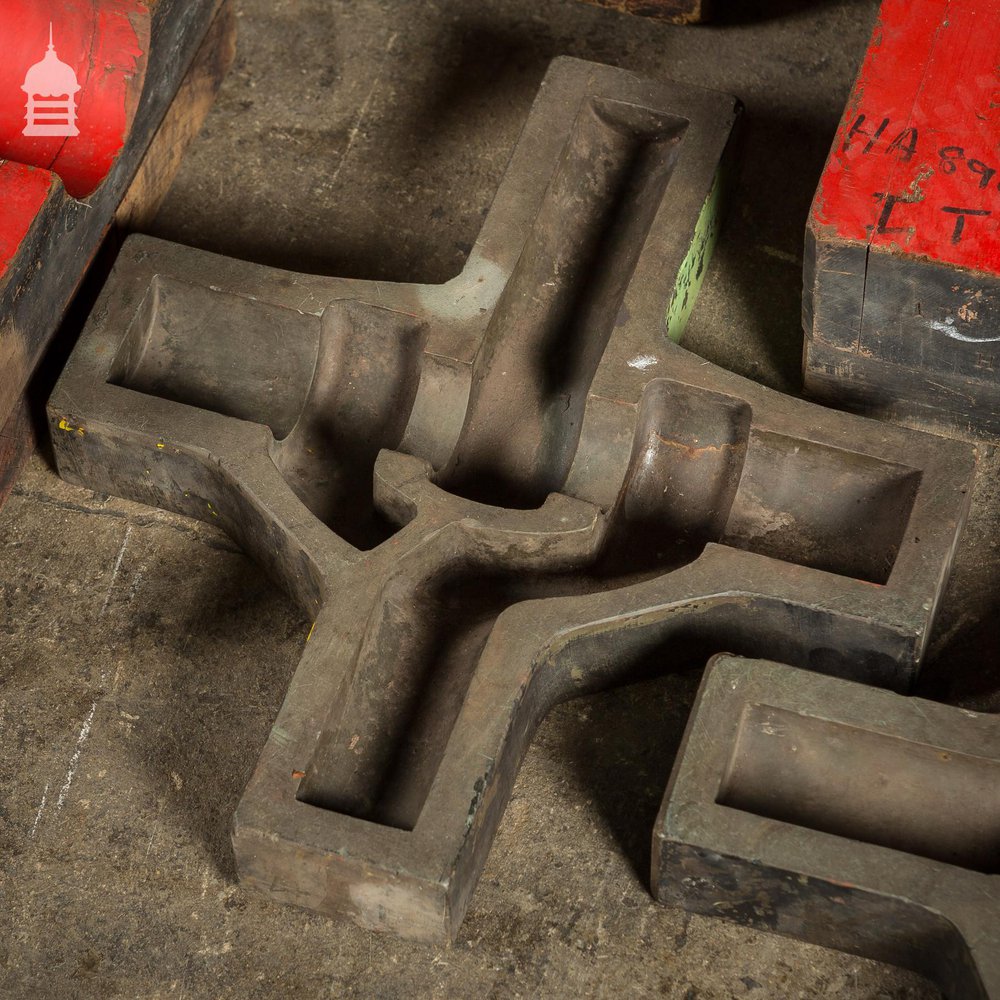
x=219, y=351
x=562, y=302
x=867, y=786
x=828, y=508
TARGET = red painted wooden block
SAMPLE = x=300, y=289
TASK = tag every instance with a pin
x=901, y=304
x=103, y=47
x=95, y=55
x=86, y=86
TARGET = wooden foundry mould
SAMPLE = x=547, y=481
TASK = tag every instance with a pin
x=500, y=492
x=848, y=817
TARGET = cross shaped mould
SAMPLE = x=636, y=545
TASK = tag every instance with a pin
x=499, y=492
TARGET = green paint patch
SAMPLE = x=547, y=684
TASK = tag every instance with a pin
x=691, y=275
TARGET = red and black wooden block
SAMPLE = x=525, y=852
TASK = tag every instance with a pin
x=112, y=70
x=901, y=304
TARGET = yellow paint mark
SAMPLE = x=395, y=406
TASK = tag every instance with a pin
x=65, y=425
x=211, y=509
x=313, y=629
x=160, y=444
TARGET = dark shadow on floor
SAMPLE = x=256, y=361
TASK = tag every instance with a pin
x=758, y=262
x=966, y=670
x=425, y=220
x=962, y=664
x=222, y=676
x=622, y=745
x=729, y=12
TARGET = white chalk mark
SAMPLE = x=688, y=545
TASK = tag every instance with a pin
x=643, y=361
x=152, y=837
x=87, y=722
x=38, y=815
x=362, y=113
x=948, y=329
x=114, y=572
x=75, y=759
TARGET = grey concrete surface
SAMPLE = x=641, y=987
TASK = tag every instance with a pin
x=142, y=658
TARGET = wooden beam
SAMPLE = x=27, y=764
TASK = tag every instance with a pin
x=138, y=206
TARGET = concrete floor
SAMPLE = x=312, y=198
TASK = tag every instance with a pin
x=142, y=657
